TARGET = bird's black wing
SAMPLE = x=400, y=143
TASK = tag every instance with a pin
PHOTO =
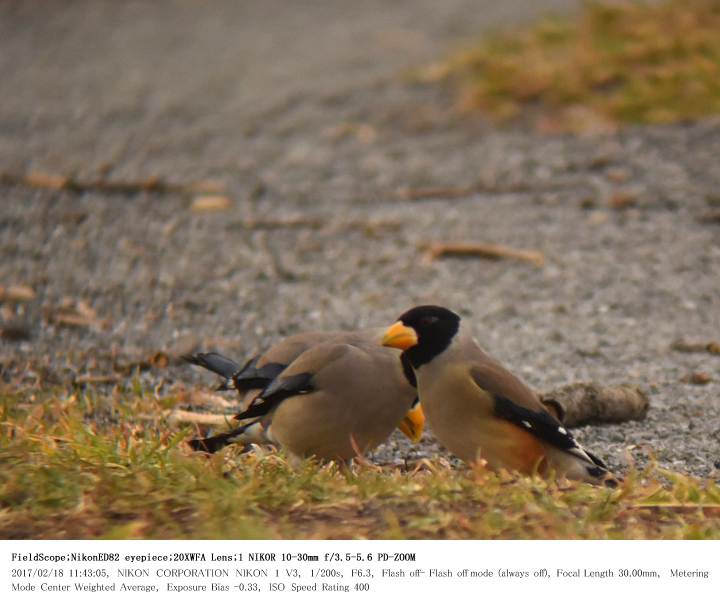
x=274, y=393
x=544, y=426
x=253, y=377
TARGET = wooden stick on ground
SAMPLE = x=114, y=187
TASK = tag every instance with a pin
x=185, y=417
x=489, y=251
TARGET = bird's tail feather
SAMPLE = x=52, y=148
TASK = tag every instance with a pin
x=587, y=468
x=219, y=364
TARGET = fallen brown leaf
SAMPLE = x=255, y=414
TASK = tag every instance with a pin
x=14, y=330
x=617, y=175
x=622, y=199
x=7, y=313
x=710, y=217
x=211, y=203
x=41, y=180
x=72, y=319
x=598, y=217
x=160, y=360
x=74, y=314
x=699, y=378
x=16, y=293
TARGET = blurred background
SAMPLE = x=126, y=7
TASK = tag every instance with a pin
x=180, y=175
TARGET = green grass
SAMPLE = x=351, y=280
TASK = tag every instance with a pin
x=82, y=465
x=615, y=62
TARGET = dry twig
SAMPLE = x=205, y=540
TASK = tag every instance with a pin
x=489, y=251
x=96, y=379
x=185, y=417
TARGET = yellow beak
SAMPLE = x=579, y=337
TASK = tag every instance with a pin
x=413, y=423
x=399, y=336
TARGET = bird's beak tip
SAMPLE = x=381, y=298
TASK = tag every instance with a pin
x=399, y=336
x=413, y=424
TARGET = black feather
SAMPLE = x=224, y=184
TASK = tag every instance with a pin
x=219, y=364
x=408, y=371
x=599, y=461
x=596, y=471
x=252, y=377
x=278, y=390
x=542, y=425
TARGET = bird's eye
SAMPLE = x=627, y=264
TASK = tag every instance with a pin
x=428, y=320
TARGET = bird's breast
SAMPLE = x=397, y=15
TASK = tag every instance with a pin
x=461, y=415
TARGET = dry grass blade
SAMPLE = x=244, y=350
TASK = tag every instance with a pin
x=84, y=379
x=698, y=378
x=435, y=251
x=74, y=314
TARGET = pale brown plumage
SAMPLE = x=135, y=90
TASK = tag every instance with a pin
x=280, y=354
x=250, y=379
x=359, y=397
x=337, y=395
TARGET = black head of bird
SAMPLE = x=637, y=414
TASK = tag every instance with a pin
x=422, y=333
